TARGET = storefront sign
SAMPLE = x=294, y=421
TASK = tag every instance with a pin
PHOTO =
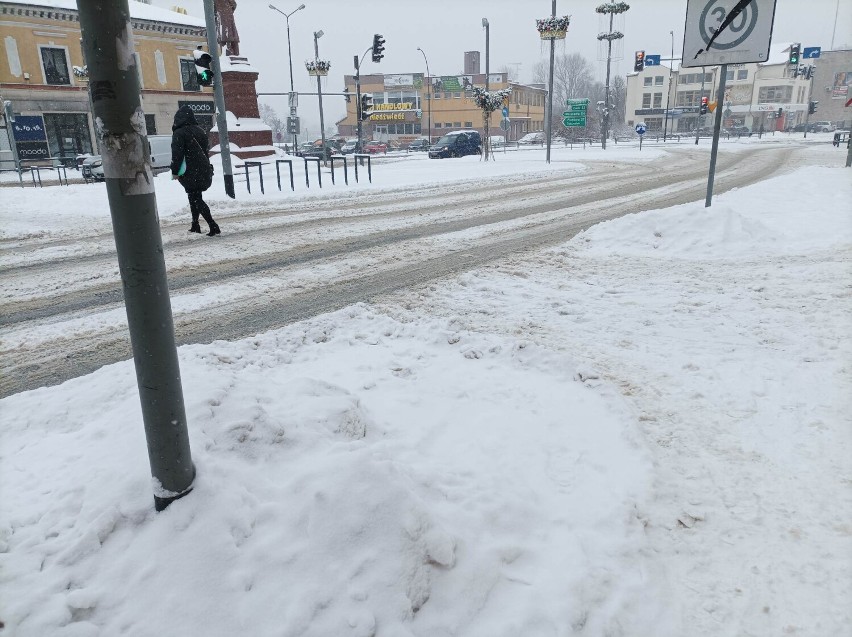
x=840, y=88
x=452, y=83
x=404, y=106
x=410, y=80
x=198, y=107
x=29, y=128
x=387, y=116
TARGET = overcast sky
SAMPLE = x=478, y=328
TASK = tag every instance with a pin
x=445, y=29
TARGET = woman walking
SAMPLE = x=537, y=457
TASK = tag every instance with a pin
x=191, y=166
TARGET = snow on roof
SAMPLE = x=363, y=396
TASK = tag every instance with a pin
x=137, y=10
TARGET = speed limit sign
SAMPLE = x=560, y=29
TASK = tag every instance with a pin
x=727, y=32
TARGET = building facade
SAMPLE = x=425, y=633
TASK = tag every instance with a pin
x=404, y=105
x=43, y=73
x=766, y=97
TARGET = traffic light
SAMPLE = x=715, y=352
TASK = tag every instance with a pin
x=639, y=62
x=810, y=72
x=779, y=113
x=366, y=107
x=812, y=107
x=346, y=94
x=704, y=105
x=202, y=67
x=795, y=50
x=378, y=47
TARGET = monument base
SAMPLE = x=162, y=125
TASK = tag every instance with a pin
x=249, y=137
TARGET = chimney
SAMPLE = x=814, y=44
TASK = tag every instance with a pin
x=471, y=63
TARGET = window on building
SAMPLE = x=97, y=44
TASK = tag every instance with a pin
x=468, y=124
x=658, y=100
x=456, y=124
x=188, y=76
x=729, y=76
x=437, y=124
x=437, y=96
x=457, y=95
x=417, y=129
x=646, y=100
x=150, y=125
x=55, y=63
x=378, y=98
x=658, y=80
x=769, y=94
x=649, y=81
x=742, y=74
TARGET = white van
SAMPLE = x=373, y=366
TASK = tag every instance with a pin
x=161, y=152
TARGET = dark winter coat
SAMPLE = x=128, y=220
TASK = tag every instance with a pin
x=185, y=133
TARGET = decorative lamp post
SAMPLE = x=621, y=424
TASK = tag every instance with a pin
x=611, y=9
x=669, y=91
x=320, y=68
x=552, y=29
x=428, y=93
x=293, y=111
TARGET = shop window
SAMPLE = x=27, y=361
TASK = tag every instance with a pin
x=55, y=63
x=188, y=75
x=150, y=125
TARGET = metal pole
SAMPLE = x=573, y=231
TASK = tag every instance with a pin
x=810, y=96
x=720, y=96
x=487, y=143
x=317, y=36
x=114, y=87
x=605, y=126
x=293, y=111
x=219, y=94
x=548, y=116
x=10, y=132
x=700, y=116
x=358, y=102
x=428, y=92
x=669, y=91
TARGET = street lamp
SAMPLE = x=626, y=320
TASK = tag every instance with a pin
x=669, y=91
x=428, y=93
x=290, y=57
x=317, y=36
x=487, y=143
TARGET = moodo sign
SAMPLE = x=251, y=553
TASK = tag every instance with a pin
x=198, y=107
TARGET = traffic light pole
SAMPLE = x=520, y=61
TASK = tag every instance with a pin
x=700, y=101
x=717, y=127
x=810, y=95
x=358, y=95
x=116, y=100
x=219, y=94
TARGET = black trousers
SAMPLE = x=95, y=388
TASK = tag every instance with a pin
x=199, y=208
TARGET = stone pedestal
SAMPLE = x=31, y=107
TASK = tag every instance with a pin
x=249, y=137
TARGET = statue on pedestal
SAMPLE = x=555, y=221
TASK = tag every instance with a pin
x=227, y=37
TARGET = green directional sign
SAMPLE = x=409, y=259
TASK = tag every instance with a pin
x=576, y=113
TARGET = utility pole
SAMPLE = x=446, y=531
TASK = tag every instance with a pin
x=700, y=117
x=669, y=91
x=317, y=36
x=219, y=95
x=358, y=101
x=10, y=132
x=487, y=113
x=114, y=87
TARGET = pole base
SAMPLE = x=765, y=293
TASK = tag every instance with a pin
x=229, y=186
x=161, y=502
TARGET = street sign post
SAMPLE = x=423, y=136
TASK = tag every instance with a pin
x=576, y=113
x=640, y=130
x=505, y=124
x=727, y=32
x=293, y=127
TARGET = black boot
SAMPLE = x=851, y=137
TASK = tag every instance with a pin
x=195, y=227
x=214, y=230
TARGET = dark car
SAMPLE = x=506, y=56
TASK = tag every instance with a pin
x=316, y=151
x=738, y=131
x=457, y=144
x=419, y=144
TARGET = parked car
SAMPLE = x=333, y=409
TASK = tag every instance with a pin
x=375, y=147
x=497, y=141
x=316, y=150
x=304, y=147
x=738, y=131
x=93, y=168
x=351, y=146
x=419, y=144
x=457, y=144
x=532, y=138
x=161, y=152
x=823, y=127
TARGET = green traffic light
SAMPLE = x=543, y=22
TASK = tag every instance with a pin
x=205, y=78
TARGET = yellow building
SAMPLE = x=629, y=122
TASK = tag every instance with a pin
x=43, y=74
x=405, y=104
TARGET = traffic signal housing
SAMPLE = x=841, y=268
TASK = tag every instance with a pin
x=639, y=61
x=366, y=107
x=704, y=105
x=378, y=47
x=812, y=107
x=795, y=51
x=202, y=67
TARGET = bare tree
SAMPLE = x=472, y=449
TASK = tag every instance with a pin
x=270, y=117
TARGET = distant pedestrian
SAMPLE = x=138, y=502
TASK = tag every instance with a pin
x=191, y=166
